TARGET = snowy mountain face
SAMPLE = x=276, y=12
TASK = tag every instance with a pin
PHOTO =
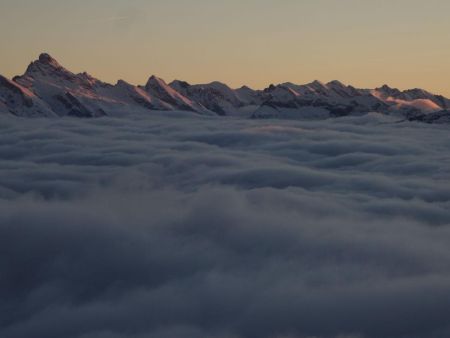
x=218, y=97
x=332, y=99
x=79, y=95
x=175, y=100
x=48, y=89
x=413, y=94
x=18, y=100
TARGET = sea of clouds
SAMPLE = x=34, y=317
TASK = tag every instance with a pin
x=179, y=226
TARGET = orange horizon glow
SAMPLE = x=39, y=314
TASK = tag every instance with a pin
x=256, y=43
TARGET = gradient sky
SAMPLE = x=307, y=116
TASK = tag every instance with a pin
x=367, y=43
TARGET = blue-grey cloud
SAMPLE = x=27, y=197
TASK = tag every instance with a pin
x=184, y=226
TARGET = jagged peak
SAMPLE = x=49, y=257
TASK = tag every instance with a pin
x=156, y=81
x=123, y=83
x=159, y=86
x=336, y=83
x=15, y=87
x=44, y=64
x=271, y=87
x=88, y=78
x=46, y=75
x=218, y=84
x=86, y=75
x=387, y=90
x=4, y=79
x=244, y=87
x=288, y=84
x=317, y=83
x=418, y=91
x=180, y=83
x=47, y=59
x=385, y=86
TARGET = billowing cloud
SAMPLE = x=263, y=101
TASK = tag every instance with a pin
x=181, y=226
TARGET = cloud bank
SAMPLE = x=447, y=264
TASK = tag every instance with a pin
x=180, y=226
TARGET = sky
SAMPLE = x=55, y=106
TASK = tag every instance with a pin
x=403, y=43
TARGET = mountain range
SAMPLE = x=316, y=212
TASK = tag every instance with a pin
x=47, y=89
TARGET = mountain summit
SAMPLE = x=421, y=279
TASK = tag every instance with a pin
x=49, y=89
x=46, y=59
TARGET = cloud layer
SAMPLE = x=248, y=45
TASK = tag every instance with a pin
x=180, y=226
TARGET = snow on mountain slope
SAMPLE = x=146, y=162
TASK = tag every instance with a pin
x=19, y=101
x=158, y=88
x=65, y=92
x=250, y=96
x=339, y=99
x=218, y=97
x=411, y=100
x=49, y=89
x=130, y=96
x=82, y=95
x=333, y=97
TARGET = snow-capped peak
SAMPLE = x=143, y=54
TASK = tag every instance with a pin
x=386, y=91
x=45, y=63
x=47, y=59
x=317, y=85
x=336, y=83
x=49, y=89
x=21, y=101
x=179, y=85
x=156, y=81
x=159, y=88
